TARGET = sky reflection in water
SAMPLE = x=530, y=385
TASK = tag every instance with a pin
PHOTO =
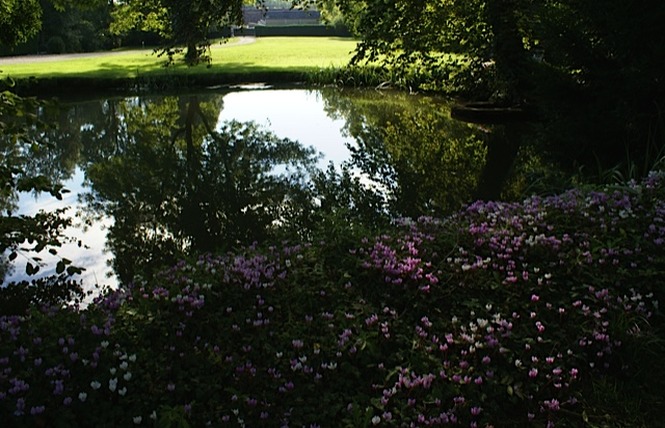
x=295, y=114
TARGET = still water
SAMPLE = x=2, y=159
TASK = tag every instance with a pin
x=152, y=178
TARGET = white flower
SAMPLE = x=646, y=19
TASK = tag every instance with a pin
x=113, y=384
x=127, y=376
x=137, y=419
x=132, y=358
x=376, y=420
x=153, y=415
x=95, y=385
x=124, y=365
x=122, y=391
x=105, y=343
x=83, y=396
x=112, y=371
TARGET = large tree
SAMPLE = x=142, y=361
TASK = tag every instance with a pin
x=593, y=67
x=182, y=24
x=19, y=20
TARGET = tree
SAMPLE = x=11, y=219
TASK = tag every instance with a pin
x=332, y=15
x=19, y=20
x=181, y=23
x=591, y=67
x=73, y=28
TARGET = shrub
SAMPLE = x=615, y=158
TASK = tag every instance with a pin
x=55, y=45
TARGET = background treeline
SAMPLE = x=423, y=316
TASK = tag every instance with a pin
x=68, y=28
x=73, y=29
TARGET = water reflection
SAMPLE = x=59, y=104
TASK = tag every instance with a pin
x=167, y=176
x=181, y=185
x=428, y=163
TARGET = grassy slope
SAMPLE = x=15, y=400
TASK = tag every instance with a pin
x=265, y=55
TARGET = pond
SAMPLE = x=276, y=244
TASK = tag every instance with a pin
x=152, y=178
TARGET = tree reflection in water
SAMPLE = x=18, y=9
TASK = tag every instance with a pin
x=174, y=182
x=428, y=163
x=180, y=185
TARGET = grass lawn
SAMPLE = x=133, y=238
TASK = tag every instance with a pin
x=264, y=55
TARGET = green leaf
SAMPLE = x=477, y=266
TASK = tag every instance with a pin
x=31, y=269
x=71, y=270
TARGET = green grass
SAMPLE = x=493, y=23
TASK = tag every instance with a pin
x=265, y=55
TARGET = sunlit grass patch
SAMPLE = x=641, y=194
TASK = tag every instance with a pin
x=295, y=54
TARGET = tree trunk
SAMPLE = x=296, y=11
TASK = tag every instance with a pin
x=509, y=52
x=192, y=54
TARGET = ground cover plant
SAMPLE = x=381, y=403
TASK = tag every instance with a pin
x=541, y=313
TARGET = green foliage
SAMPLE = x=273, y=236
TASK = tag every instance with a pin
x=18, y=298
x=591, y=73
x=20, y=171
x=55, y=45
x=184, y=25
x=19, y=20
x=81, y=28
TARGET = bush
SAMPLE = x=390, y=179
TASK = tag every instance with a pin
x=55, y=45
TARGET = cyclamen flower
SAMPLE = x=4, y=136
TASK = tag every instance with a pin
x=552, y=404
x=20, y=407
x=37, y=410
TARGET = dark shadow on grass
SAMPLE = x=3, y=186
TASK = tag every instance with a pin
x=120, y=79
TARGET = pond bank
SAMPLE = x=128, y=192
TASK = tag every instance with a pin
x=72, y=86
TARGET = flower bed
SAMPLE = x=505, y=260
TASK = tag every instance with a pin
x=501, y=315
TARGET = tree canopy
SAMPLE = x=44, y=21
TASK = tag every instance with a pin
x=591, y=67
x=19, y=20
x=180, y=23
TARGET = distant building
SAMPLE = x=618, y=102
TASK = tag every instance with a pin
x=253, y=17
